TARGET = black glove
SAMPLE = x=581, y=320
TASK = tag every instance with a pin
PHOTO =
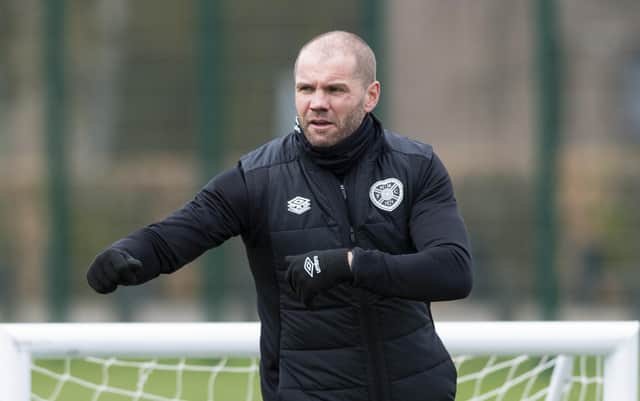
x=112, y=267
x=317, y=271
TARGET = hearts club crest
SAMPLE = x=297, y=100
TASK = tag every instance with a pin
x=387, y=194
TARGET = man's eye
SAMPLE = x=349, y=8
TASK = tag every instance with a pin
x=336, y=89
x=305, y=89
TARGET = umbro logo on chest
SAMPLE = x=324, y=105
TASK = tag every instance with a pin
x=299, y=205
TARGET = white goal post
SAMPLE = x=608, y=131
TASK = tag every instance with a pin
x=616, y=342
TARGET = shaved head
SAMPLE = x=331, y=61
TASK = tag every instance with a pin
x=329, y=44
x=335, y=86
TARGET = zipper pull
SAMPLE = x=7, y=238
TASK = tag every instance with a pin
x=344, y=191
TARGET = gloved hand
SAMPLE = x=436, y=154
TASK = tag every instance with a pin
x=113, y=267
x=317, y=271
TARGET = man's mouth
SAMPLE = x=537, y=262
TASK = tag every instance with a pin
x=320, y=123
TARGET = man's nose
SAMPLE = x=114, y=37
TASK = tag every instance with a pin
x=319, y=101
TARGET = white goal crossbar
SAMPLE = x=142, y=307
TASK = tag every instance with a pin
x=617, y=342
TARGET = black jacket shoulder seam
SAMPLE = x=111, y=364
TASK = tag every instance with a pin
x=269, y=165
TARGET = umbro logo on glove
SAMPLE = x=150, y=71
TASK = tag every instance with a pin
x=317, y=271
x=311, y=266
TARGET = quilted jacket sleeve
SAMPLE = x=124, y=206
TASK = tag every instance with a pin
x=441, y=268
x=216, y=213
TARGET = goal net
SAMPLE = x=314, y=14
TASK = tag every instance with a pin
x=501, y=361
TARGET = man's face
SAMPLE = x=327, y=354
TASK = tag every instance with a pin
x=331, y=100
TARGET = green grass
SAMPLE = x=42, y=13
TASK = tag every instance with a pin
x=81, y=379
x=193, y=385
x=516, y=371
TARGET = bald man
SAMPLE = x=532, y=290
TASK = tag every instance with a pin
x=351, y=231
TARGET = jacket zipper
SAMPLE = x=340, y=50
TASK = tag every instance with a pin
x=378, y=380
x=352, y=234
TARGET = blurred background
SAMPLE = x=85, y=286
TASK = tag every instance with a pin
x=113, y=113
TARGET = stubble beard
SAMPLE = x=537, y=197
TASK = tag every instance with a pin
x=345, y=128
x=352, y=123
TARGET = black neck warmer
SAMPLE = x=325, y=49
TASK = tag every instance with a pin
x=339, y=158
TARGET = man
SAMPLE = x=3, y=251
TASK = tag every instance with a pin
x=350, y=230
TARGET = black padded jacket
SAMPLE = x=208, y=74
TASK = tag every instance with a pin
x=369, y=340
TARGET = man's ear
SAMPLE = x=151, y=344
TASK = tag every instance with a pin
x=372, y=96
